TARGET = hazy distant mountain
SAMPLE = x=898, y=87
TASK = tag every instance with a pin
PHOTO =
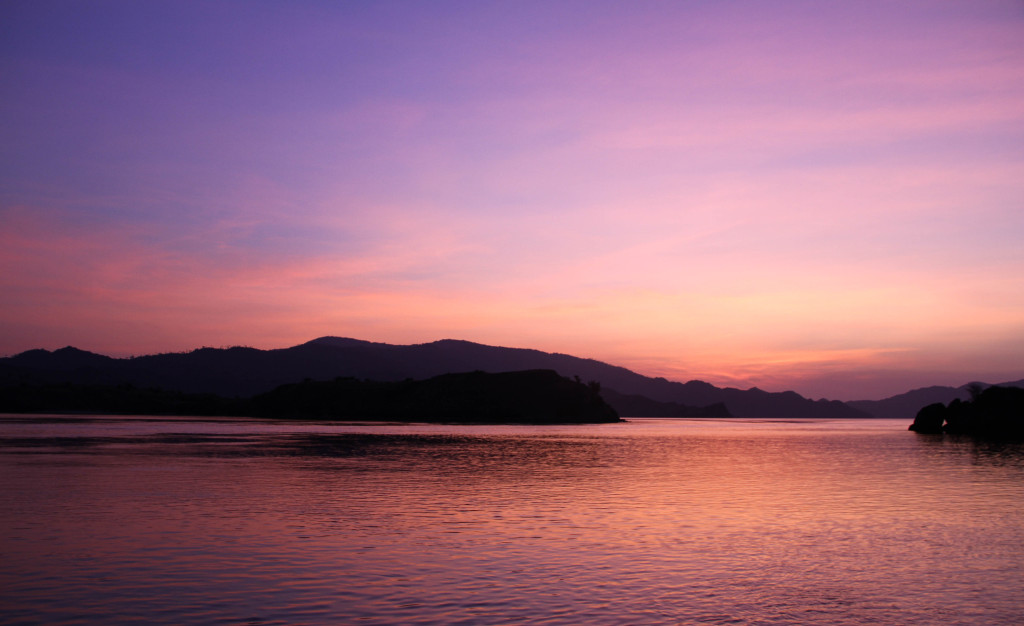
x=637, y=406
x=906, y=405
x=248, y=371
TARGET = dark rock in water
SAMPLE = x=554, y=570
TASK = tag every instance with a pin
x=930, y=419
x=994, y=413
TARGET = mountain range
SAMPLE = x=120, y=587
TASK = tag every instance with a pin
x=244, y=372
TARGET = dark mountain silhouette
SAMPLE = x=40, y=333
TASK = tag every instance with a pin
x=906, y=405
x=993, y=413
x=66, y=359
x=533, y=396
x=245, y=372
x=123, y=399
x=637, y=405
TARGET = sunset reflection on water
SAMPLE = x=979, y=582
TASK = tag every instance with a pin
x=758, y=521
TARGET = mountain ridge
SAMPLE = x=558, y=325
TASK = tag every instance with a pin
x=245, y=371
x=906, y=405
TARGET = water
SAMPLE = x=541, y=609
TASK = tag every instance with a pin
x=157, y=520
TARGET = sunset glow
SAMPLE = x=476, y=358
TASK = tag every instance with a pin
x=824, y=197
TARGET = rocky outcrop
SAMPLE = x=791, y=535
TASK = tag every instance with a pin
x=994, y=413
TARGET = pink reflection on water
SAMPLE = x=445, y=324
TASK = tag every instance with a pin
x=653, y=520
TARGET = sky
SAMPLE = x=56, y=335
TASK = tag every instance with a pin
x=826, y=197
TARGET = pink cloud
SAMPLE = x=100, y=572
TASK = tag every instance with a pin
x=746, y=193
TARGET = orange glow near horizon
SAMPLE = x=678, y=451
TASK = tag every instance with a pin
x=772, y=197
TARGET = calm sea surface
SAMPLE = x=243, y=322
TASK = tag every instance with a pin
x=183, y=520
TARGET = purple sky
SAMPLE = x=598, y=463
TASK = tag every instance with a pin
x=825, y=197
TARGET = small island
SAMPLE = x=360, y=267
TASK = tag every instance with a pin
x=993, y=413
x=528, y=397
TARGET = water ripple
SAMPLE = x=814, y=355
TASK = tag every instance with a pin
x=680, y=521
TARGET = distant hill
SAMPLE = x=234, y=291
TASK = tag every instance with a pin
x=637, y=406
x=245, y=372
x=906, y=405
x=532, y=396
